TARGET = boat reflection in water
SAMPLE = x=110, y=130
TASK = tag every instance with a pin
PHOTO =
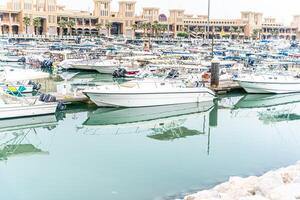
x=163, y=122
x=14, y=124
x=15, y=133
x=272, y=108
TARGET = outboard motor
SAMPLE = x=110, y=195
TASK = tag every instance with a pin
x=22, y=60
x=173, y=74
x=119, y=73
x=47, y=64
x=42, y=97
x=49, y=98
x=35, y=86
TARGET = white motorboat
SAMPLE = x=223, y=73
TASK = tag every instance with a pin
x=148, y=92
x=10, y=58
x=9, y=74
x=110, y=66
x=265, y=84
x=107, y=66
x=68, y=63
x=14, y=107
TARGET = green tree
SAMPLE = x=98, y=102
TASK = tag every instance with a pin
x=154, y=28
x=62, y=24
x=26, y=21
x=231, y=30
x=256, y=33
x=70, y=24
x=37, y=23
x=149, y=28
x=164, y=28
x=108, y=27
x=134, y=27
x=144, y=27
x=99, y=27
x=183, y=34
x=238, y=31
x=275, y=33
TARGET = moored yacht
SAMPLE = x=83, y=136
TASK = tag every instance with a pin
x=148, y=92
x=273, y=83
x=14, y=107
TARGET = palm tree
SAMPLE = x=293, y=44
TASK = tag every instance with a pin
x=256, y=33
x=62, y=24
x=160, y=28
x=231, y=30
x=108, y=27
x=238, y=31
x=134, y=27
x=70, y=24
x=202, y=31
x=99, y=27
x=164, y=28
x=154, y=28
x=148, y=27
x=37, y=23
x=144, y=27
x=275, y=33
x=26, y=21
x=187, y=31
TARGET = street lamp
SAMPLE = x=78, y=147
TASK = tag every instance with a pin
x=208, y=29
x=208, y=19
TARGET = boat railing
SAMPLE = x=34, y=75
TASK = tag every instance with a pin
x=156, y=84
x=272, y=76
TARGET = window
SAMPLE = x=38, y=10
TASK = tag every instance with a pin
x=129, y=7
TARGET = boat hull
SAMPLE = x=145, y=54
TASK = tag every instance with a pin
x=106, y=69
x=148, y=99
x=269, y=88
x=26, y=111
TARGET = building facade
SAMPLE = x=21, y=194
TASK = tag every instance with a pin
x=250, y=24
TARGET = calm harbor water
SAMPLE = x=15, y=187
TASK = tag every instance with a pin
x=146, y=153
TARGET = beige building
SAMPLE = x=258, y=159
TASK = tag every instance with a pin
x=251, y=24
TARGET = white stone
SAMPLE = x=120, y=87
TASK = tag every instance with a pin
x=286, y=192
x=256, y=197
x=268, y=182
x=283, y=184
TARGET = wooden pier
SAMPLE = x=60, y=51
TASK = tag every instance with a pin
x=71, y=98
x=225, y=87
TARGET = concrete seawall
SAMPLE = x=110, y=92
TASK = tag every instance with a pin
x=281, y=184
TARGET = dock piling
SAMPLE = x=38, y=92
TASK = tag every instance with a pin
x=215, y=73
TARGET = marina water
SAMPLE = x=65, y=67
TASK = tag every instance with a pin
x=87, y=153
